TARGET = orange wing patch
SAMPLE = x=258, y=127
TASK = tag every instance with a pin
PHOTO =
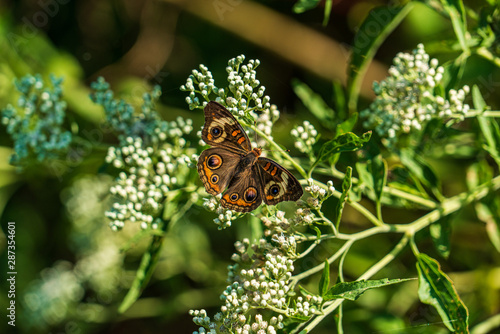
x=274, y=171
x=241, y=140
x=235, y=133
x=238, y=205
x=206, y=177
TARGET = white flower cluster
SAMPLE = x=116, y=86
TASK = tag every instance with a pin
x=243, y=85
x=144, y=182
x=242, y=82
x=319, y=195
x=409, y=97
x=261, y=279
x=260, y=286
x=201, y=82
x=286, y=243
x=303, y=217
x=309, y=306
x=265, y=122
x=244, y=96
x=224, y=216
x=306, y=136
x=259, y=326
x=256, y=287
x=276, y=223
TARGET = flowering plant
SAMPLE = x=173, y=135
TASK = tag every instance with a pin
x=298, y=265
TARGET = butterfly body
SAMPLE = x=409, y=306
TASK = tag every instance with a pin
x=232, y=165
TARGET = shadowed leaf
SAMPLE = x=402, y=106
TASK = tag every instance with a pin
x=436, y=289
x=352, y=290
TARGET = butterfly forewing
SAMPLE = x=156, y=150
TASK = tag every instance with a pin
x=222, y=129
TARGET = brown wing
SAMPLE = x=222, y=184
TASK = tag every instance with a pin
x=216, y=167
x=244, y=193
x=223, y=130
x=278, y=184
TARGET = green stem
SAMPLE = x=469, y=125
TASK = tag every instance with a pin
x=448, y=206
x=309, y=249
x=328, y=221
x=282, y=152
x=486, y=113
x=369, y=273
x=486, y=54
x=386, y=259
x=295, y=279
x=358, y=207
x=393, y=191
x=379, y=210
x=340, y=312
x=143, y=274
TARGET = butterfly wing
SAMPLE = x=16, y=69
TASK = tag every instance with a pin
x=278, y=184
x=216, y=167
x=244, y=193
x=223, y=130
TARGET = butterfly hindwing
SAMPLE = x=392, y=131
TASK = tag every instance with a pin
x=222, y=129
x=216, y=167
x=278, y=184
x=244, y=193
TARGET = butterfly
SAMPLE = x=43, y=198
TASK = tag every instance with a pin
x=232, y=165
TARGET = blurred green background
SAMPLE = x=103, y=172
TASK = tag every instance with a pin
x=71, y=275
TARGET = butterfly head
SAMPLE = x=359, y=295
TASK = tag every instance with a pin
x=257, y=151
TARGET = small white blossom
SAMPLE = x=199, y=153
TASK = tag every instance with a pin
x=407, y=99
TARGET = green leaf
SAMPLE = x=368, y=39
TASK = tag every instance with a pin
x=346, y=186
x=456, y=11
x=324, y=281
x=489, y=127
x=347, y=125
x=345, y=142
x=318, y=231
x=352, y=290
x=440, y=234
x=304, y=291
x=379, y=174
x=314, y=103
x=381, y=21
x=328, y=10
x=339, y=99
x=143, y=274
x=436, y=289
x=477, y=99
x=304, y=5
x=421, y=170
